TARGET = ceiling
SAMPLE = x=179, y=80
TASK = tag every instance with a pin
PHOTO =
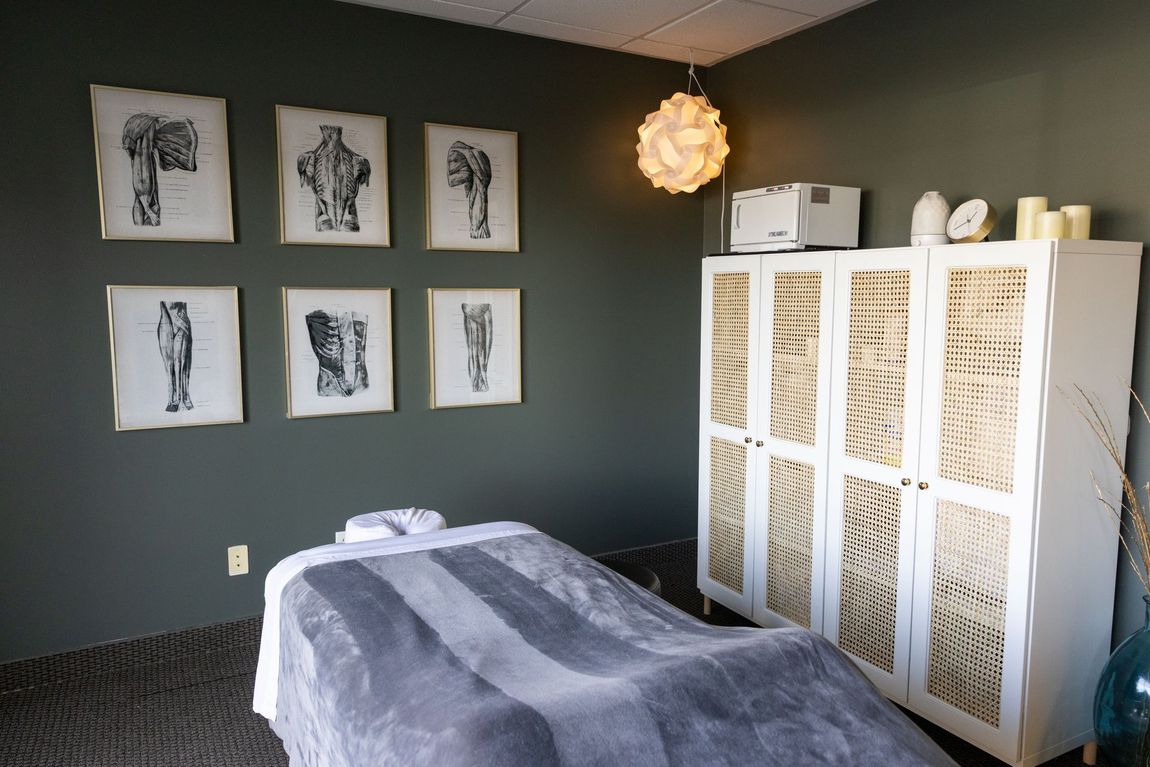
x=665, y=29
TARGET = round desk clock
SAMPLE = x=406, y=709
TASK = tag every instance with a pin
x=971, y=221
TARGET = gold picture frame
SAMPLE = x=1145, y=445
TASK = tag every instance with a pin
x=175, y=343
x=471, y=188
x=474, y=347
x=364, y=221
x=187, y=195
x=317, y=385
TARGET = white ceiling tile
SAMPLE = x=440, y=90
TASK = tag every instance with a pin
x=672, y=52
x=813, y=7
x=730, y=25
x=628, y=18
x=563, y=32
x=438, y=9
x=495, y=5
x=714, y=29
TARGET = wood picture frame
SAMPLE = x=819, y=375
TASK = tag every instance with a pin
x=471, y=182
x=338, y=351
x=162, y=165
x=314, y=145
x=175, y=356
x=474, y=347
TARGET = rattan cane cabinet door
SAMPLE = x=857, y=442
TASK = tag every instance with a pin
x=983, y=378
x=728, y=414
x=794, y=385
x=876, y=390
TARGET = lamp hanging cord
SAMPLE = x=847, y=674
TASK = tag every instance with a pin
x=691, y=77
x=722, y=171
x=723, y=207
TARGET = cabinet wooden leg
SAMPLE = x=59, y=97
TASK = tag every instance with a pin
x=1090, y=753
x=706, y=605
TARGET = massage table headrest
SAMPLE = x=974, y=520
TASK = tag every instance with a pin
x=385, y=524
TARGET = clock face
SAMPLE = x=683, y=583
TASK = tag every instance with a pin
x=971, y=221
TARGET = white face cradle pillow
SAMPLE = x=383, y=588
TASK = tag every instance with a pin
x=385, y=524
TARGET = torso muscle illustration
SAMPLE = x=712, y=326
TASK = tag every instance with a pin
x=148, y=138
x=470, y=168
x=339, y=340
x=478, y=327
x=175, y=336
x=334, y=173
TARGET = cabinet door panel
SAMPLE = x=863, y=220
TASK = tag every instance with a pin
x=790, y=544
x=727, y=413
x=797, y=296
x=970, y=566
x=981, y=362
x=728, y=503
x=797, y=318
x=868, y=597
x=880, y=307
x=983, y=373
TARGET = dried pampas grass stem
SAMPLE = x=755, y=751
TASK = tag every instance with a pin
x=1131, y=509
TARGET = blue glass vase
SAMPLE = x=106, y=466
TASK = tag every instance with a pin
x=1122, y=703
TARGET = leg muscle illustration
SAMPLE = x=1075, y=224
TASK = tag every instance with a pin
x=478, y=327
x=470, y=168
x=339, y=340
x=150, y=138
x=334, y=173
x=175, y=336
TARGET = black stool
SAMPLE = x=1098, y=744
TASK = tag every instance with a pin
x=637, y=573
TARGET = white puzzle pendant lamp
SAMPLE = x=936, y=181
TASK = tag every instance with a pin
x=683, y=145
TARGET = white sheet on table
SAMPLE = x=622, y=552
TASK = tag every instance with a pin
x=267, y=671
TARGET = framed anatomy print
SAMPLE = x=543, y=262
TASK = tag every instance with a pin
x=474, y=338
x=472, y=182
x=175, y=356
x=162, y=163
x=333, y=178
x=337, y=345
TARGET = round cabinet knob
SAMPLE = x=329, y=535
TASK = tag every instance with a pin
x=748, y=440
x=923, y=485
x=905, y=481
x=759, y=443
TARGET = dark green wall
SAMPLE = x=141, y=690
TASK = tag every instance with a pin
x=980, y=98
x=108, y=535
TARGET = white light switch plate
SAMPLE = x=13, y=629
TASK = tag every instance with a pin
x=339, y=535
x=237, y=560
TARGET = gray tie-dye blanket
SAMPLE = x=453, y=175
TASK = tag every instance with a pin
x=521, y=651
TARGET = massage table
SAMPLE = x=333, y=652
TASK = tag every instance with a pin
x=495, y=644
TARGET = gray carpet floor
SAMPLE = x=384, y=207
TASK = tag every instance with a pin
x=184, y=699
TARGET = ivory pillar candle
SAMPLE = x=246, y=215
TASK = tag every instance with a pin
x=1077, y=222
x=1028, y=208
x=1049, y=225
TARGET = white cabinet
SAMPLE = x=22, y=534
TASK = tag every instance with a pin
x=875, y=402
x=887, y=459
x=730, y=345
x=765, y=342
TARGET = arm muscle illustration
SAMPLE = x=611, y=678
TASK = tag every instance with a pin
x=149, y=138
x=471, y=168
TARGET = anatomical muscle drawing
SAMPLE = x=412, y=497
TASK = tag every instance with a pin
x=148, y=139
x=339, y=340
x=175, y=336
x=334, y=173
x=478, y=328
x=471, y=168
